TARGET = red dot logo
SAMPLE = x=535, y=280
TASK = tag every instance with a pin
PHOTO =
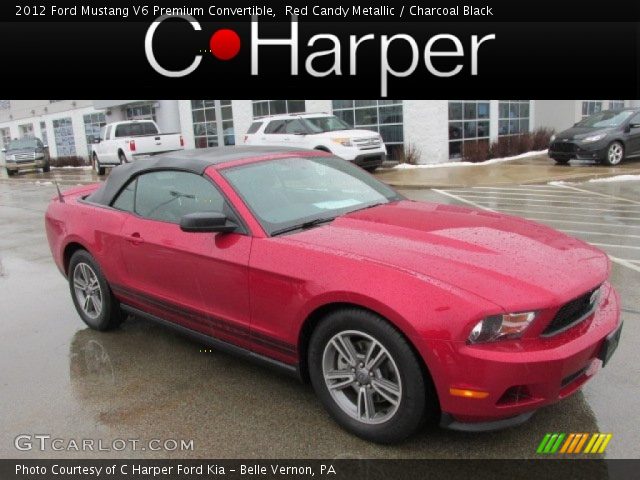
x=224, y=44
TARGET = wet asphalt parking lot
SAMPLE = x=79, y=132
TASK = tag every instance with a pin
x=142, y=382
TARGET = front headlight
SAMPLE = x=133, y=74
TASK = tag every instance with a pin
x=345, y=142
x=553, y=137
x=501, y=327
x=594, y=138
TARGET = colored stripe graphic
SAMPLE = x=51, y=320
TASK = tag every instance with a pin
x=573, y=443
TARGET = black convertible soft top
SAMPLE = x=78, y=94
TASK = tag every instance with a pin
x=195, y=161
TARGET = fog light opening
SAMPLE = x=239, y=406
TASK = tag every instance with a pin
x=514, y=395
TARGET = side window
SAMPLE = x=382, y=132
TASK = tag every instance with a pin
x=126, y=199
x=276, y=126
x=254, y=127
x=295, y=126
x=168, y=195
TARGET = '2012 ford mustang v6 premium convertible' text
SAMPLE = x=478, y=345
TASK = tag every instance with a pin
x=398, y=312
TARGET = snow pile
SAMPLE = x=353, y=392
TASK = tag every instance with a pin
x=616, y=178
x=471, y=164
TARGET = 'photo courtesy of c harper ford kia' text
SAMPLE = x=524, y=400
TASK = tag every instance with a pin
x=330, y=288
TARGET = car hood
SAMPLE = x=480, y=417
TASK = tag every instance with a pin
x=16, y=151
x=578, y=133
x=512, y=262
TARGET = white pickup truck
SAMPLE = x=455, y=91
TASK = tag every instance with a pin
x=123, y=142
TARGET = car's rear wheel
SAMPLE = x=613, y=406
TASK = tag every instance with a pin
x=615, y=154
x=91, y=294
x=11, y=173
x=46, y=168
x=368, y=377
x=96, y=165
x=123, y=158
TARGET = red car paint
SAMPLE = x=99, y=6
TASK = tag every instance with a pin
x=431, y=270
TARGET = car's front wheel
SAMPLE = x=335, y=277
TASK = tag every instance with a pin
x=561, y=160
x=368, y=377
x=615, y=154
x=91, y=294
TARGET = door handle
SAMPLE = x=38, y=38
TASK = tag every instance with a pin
x=135, y=239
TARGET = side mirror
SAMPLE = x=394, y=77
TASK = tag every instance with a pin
x=4, y=150
x=207, y=222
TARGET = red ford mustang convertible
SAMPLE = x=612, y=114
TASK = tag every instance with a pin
x=398, y=312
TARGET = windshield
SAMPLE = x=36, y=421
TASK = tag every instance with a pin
x=22, y=143
x=326, y=124
x=609, y=118
x=284, y=194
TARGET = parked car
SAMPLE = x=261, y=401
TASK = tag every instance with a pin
x=607, y=137
x=397, y=311
x=319, y=131
x=24, y=153
x=123, y=142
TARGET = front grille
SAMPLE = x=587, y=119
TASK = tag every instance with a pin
x=25, y=157
x=564, y=147
x=367, y=143
x=572, y=313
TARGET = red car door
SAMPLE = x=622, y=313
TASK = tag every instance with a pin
x=199, y=280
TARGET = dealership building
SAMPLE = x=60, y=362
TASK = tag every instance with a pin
x=439, y=129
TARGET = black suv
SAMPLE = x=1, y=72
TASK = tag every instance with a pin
x=607, y=137
x=28, y=152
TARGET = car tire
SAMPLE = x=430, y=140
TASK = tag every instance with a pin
x=122, y=157
x=614, y=155
x=11, y=173
x=91, y=293
x=562, y=161
x=371, y=169
x=357, y=386
x=46, y=168
x=96, y=165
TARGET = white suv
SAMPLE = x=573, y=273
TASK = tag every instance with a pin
x=319, y=131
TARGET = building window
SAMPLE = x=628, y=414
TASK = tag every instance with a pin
x=93, y=122
x=141, y=112
x=382, y=116
x=43, y=133
x=65, y=141
x=5, y=104
x=468, y=124
x=226, y=112
x=208, y=117
x=5, y=137
x=513, y=117
x=589, y=107
x=262, y=108
x=26, y=130
x=616, y=104
x=205, y=126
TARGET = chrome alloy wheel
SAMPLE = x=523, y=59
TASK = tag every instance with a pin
x=362, y=377
x=87, y=290
x=615, y=153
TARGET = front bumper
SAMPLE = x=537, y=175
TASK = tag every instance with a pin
x=370, y=160
x=579, y=150
x=15, y=166
x=521, y=377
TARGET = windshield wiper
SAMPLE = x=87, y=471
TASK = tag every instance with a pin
x=304, y=225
